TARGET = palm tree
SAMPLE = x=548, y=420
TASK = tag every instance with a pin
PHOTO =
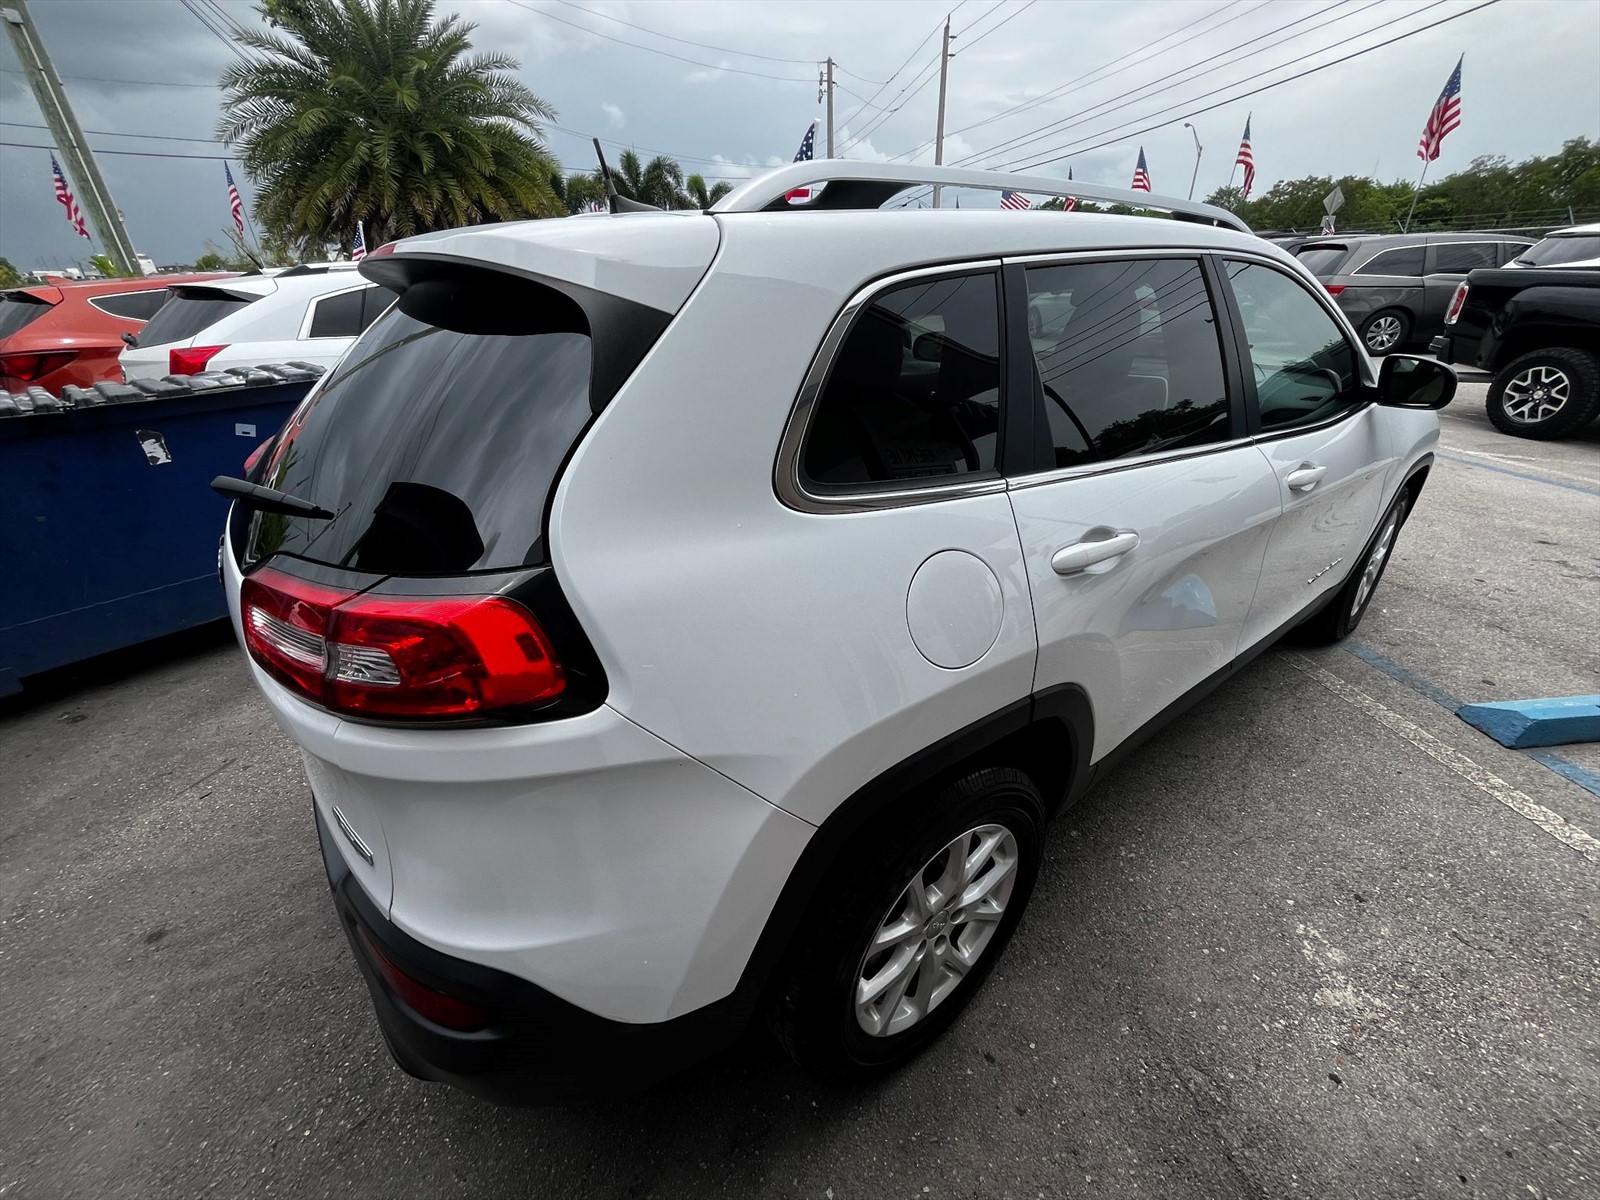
x=701, y=198
x=659, y=182
x=372, y=111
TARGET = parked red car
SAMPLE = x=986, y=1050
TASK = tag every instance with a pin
x=64, y=332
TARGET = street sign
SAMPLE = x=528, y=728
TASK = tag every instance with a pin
x=1327, y=223
x=1333, y=201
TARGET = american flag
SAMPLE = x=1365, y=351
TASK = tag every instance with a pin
x=1068, y=203
x=1009, y=199
x=807, y=152
x=64, y=196
x=1446, y=115
x=1141, y=174
x=358, y=249
x=234, y=203
x=1246, y=160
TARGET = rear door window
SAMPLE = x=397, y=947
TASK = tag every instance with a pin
x=187, y=313
x=439, y=437
x=1401, y=260
x=132, y=306
x=17, y=309
x=338, y=315
x=914, y=392
x=1130, y=362
x=1457, y=258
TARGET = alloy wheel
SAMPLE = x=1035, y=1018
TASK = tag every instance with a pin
x=1383, y=333
x=938, y=929
x=1535, y=395
x=1375, y=561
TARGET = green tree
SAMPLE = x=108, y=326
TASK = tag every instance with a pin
x=10, y=277
x=210, y=261
x=659, y=182
x=372, y=111
x=702, y=199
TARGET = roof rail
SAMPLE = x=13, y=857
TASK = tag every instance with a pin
x=859, y=185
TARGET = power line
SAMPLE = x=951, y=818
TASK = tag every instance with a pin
x=108, y=79
x=154, y=137
x=915, y=51
x=550, y=16
x=1009, y=16
x=1088, y=114
x=1055, y=153
x=927, y=74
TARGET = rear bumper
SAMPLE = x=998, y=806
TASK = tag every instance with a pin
x=535, y=1048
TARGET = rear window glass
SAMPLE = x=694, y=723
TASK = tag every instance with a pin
x=17, y=310
x=1321, y=260
x=1457, y=258
x=186, y=314
x=1551, y=252
x=437, y=446
x=132, y=306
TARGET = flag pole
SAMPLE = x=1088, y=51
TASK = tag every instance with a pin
x=1416, y=192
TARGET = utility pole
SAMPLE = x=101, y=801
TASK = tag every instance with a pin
x=92, y=191
x=938, y=137
x=829, y=86
x=1197, y=150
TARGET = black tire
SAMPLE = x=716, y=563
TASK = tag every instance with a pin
x=1560, y=367
x=813, y=1009
x=1383, y=324
x=1344, y=612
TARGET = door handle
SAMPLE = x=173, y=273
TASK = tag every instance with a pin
x=1069, y=560
x=1305, y=477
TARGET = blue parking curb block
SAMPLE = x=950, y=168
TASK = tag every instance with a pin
x=1520, y=724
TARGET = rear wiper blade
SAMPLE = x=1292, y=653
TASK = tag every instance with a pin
x=265, y=499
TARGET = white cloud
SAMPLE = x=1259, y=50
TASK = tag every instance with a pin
x=614, y=115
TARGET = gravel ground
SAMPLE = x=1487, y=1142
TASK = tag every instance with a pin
x=1318, y=939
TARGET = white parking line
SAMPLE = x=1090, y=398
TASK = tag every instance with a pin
x=1482, y=778
x=1524, y=460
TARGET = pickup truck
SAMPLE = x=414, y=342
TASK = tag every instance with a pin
x=1538, y=332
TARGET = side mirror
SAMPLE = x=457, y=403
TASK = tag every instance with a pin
x=929, y=347
x=1406, y=381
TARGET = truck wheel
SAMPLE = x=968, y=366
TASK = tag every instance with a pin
x=1547, y=394
x=1386, y=331
x=908, y=924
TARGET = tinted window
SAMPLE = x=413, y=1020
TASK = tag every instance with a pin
x=1322, y=260
x=1127, y=358
x=1554, y=251
x=914, y=391
x=185, y=314
x=17, y=309
x=1402, y=260
x=1305, y=371
x=337, y=316
x=1457, y=258
x=133, y=306
x=374, y=300
x=437, y=446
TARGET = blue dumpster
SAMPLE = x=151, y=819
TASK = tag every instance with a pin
x=108, y=530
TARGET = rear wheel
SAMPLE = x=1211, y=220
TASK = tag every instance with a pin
x=1386, y=331
x=1546, y=394
x=1339, y=619
x=907, y=926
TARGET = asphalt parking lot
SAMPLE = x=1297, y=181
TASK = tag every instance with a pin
x=1318, y=939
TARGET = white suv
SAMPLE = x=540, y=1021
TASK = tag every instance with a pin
x=690, y=618
x=307, y=314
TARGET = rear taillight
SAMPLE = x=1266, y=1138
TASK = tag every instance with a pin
x=398, y=656
x=1457, y=303
x=191, y=360
x=450, y=1011
x=30, y=367
x=1334, y=288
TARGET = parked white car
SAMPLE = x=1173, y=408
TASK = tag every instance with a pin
x=688, y=619
x=1575, y=246
x=309, y=313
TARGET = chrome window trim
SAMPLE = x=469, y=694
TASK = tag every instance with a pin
x=1065, y=258
x=1133, y=461
x=786, y=477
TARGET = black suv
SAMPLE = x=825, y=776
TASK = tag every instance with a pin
x=1395, y=287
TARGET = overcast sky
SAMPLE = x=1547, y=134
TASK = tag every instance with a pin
x=1531, y=81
